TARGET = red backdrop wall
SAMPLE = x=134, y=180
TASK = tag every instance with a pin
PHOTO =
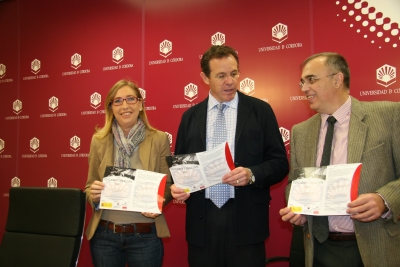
x=58, y=60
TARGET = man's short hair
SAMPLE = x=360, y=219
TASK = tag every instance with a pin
x=336, y=62
x=216, y=51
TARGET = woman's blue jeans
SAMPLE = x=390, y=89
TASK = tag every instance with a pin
x=111, y=249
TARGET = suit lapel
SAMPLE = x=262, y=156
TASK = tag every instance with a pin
x=108, y=158
x=244, y=108
x=357, y=132
x=311, y=148
x=201, y=121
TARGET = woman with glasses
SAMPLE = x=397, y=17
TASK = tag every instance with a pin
x=127, y=140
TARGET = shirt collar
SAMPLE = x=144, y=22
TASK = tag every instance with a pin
x=212, y=102
x=340, y=114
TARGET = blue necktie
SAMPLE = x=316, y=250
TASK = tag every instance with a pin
x=219, y=193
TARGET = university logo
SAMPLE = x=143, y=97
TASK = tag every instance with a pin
x=142, y=191
x=386, y=75
x=95, y=100
x=74, y=143
x=76, y=60
x=142, y=93
x=118, y=55
x=247, y=86
x=2, y=144
x=190, y=92
x=2, y=70
x=285, y=133
x=17, y=106
x=15, y=182
x=35, y=66
x=279, y=33
x=53, y=104
x=52, y=182
x=165, y=48
x=169, y=138
x=218, y=39
x=34, y=145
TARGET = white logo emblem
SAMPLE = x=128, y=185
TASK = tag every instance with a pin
x=142, y=93
x=118, y=55
x=247, y=86
x=75, y=143
x=34, y=144
x=15, y=182
x=285, y=133
x=52, y=182
x=76, y=61
x=17, y=106
x=190, y=92
x=53, y=104
x=169, y=138
x=386, y=75
x=2, y=144
x=2, y=71
x=35, y=66
x=279, y=33
x=218, y=39
x=165, y=48
x=95, y=100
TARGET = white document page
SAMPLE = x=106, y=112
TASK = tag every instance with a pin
x=323, y=191
x=204, y=170
x=133, y=190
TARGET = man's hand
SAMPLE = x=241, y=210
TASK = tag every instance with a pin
x=179, y=193
x=238, y=177
x=289, y=216
x=367, y=207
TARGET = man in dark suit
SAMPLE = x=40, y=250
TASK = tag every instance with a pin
x=234, y=234
x=364, y=132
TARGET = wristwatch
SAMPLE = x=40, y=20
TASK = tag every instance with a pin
x=252, y=178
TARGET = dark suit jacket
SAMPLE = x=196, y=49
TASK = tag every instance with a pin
x=373, y=140
x=258, y=146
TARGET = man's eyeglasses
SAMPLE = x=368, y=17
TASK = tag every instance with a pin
x=130, y=100
x=223, y=76
x=313, y=79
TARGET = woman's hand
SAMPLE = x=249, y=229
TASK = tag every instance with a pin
x=95, y=191
x=150, y=215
